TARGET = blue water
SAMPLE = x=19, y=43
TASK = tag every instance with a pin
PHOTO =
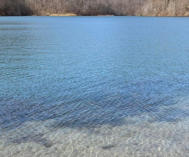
x=85, y=72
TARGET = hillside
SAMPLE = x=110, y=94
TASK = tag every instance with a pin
x=96, y=7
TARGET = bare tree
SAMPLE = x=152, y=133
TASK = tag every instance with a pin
x=14, y=7
x=95, y=7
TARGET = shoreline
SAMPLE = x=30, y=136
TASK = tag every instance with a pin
x=74, y=15
x=68, y=14
x=64, y=14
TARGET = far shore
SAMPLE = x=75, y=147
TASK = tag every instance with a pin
x=74, y=14
x=64, y=14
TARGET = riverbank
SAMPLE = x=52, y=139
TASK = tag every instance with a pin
x=95, y=7
x=64, y=14
x=74, y=14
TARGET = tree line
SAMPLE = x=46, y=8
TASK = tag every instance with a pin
x=14, y=8
x=95, y=7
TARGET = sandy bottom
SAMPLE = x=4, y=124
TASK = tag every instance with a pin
x=139, y=136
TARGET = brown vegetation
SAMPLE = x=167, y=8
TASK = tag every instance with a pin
x=96, y=7
x=14, y=8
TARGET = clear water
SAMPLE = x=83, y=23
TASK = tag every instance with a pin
x=94, y=86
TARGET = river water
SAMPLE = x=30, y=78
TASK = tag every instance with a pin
x=94, y=86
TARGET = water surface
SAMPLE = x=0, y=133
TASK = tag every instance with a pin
x=105, y=86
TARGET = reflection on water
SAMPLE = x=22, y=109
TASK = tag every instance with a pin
x=104, y=86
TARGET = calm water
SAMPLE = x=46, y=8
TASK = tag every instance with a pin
x=98, y=85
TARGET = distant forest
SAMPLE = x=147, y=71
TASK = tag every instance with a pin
x=95, y=7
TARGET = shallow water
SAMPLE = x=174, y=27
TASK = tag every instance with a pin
x=94, y=86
